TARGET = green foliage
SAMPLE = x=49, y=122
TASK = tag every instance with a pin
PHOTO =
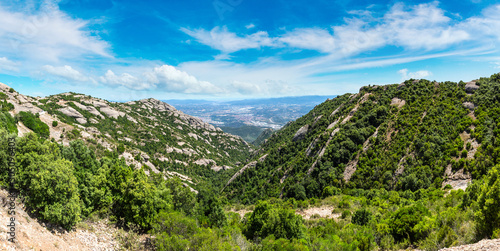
x=120, y=148
x=405, y=219
x=54, y=123
x=11, y=90
x=54, y=193
x=361, y=217
x=34, y=123
x=488, y=215
x=268, y=219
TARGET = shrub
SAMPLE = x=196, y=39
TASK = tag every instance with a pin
x=34, y=123
x=268, y=219
x=54, y=123
x=345, y=214
x=488, y=216
x=361, y=217
x=120, y=148
x=405, y=219
x=11, y=90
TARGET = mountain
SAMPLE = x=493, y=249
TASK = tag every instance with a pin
x=411, y=136
x=146, y=132
x=410, y=165
x=248, y=118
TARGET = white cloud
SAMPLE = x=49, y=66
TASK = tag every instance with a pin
x=488, y=23
x=310, y=38
x=66, y=72
x=405, y=74
x=423, y=26
x=250, y=26
x=227, y=42
x=6, y=64
x=47, y=35
x=162, y=78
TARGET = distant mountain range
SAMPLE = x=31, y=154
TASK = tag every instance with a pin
x=248, y=118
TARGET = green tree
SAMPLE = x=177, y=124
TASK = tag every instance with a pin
x=53, y=192
x=488, y=215
x=268, y=219
x=361, y=217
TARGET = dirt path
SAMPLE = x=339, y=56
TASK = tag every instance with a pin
x=323, y=212
x=34, y=235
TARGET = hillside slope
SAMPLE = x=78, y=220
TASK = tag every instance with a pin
x=409, y=136
x=146, y=132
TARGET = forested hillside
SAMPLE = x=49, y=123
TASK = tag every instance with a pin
x=388, y=164
x=411, y=136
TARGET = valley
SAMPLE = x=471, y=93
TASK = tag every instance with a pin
x=403, y=166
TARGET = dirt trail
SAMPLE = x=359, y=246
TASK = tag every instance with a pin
x=34, y=235
x=323, y=212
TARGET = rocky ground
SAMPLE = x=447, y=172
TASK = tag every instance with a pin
x=32, y=234
x=490, y=245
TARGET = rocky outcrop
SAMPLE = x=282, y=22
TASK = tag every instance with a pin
x=71, y=112
x=90, y=109
x=110, y=112
x=301, y=133
x=247, y=166
x=204, y=162
x=469, y=105
x=471, y=87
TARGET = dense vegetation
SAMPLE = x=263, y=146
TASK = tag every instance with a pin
x=396, y=198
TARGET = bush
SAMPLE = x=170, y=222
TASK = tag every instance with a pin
x=269, y=219
x=405, y=219
x=346, y=214
x=34, y=123
x=11, y=90
x=361, y=217
x=120, y=148
x=54, y=123
x=488, y=216
x=54, y=193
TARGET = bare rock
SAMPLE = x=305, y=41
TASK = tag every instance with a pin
x=71, y=112
x=204, y=162
x=301, y=133
x=90, y=109
x=469, y=105
x=471, y=87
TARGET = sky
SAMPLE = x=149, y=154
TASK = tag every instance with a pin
x=237, y=49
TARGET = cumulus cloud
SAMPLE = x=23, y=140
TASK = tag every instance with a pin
x=66, y=72
x=405, y=74
x=47, y=35
x=161, y=78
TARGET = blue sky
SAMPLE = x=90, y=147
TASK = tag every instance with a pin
x=235, y=49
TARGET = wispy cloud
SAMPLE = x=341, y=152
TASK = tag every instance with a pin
x=423, y=26
x=221, y=39
x=250, y=26
x=405, y=74
x=66, y=72
x=47, y=35
x=9, y=65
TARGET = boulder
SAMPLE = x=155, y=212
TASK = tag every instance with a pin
x=471, y=87
x=469, y=105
